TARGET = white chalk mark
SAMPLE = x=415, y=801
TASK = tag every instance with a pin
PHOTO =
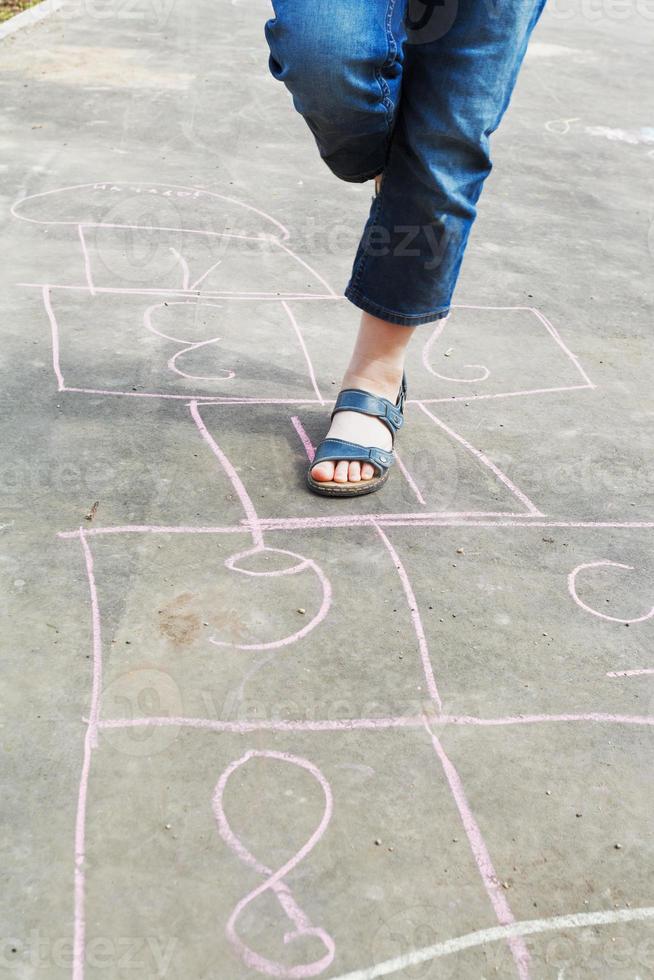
x=186, y=272
x=54, y=331
x=194, y=285
x=530, y=927
x=630, y=673
x=560, y=126
x=634, y=137
x=87, y=260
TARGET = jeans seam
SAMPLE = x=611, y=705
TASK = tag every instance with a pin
x=388, y=105
x=361, y=264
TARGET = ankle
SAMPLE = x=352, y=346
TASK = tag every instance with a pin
x=379, y=377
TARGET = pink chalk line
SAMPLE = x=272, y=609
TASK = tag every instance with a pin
x=303, y=564
x=307, y=358
x=415, y=618
x=54, y=330
x=190, y=345
x=191, y=293
x=554, y=333
x=90, y=742
x=409, y=479
x=187, y=285
x=309, y=448
x=480, y=852
x=426, y=351
x=556, y=336
x=437, y=519
x=572, y=589
x=274, y=880
x=310, y=270
x=485, y=373
x=369, y=724
x=485, y=461
x=232, y=475
x=482, y=858
x=501, y=394
x=385, y=520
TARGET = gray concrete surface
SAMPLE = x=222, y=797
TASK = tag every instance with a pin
x=436, y=733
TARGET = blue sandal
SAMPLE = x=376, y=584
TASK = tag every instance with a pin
x=332, y=450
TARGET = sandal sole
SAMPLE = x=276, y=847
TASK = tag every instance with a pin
x=331, y=489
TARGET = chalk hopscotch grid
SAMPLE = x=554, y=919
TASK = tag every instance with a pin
x=432, y=721
x=192, y=291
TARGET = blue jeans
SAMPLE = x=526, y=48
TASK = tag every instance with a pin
x=413, y=88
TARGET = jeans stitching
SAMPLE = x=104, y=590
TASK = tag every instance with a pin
x=388, y=105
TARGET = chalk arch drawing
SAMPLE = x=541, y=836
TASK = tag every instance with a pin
x=274, y=880
x=183, y=209
x=180, y=193
x=482, y=372
x=572, y=589
x=190, y=346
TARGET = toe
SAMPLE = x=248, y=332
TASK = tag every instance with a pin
x=323, y=472
x=355, y=472
x=367, y=471
x=341, y=471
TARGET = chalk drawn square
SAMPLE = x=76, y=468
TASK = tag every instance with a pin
x=273, y=634
x=167, y=854
x=560, y=646
x=172, y=347
x=479, y=352
x=439, y=473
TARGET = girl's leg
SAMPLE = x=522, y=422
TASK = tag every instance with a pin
x=376, y=366
x=345, y=62
x=460, y=64
x=461, y=61
x=342, y=62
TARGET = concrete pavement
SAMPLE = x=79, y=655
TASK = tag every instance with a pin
x=249, y=732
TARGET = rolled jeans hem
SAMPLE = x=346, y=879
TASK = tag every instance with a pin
x=391, y=316
x=357, y=178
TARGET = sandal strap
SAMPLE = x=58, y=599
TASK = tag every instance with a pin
x=356, y=400
x=332, y=450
